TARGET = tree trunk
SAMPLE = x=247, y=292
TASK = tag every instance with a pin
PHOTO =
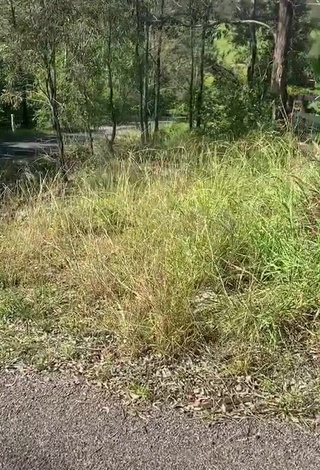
x=51, y=84
x=24, y=104
x=146, y=81
x=13, y=14
x=158, y=74
x=139, y=61
x=90, y=136
x=88, y=123
x=111, y=89
x=280, y=59
x=25, y=110
x=192, y=57
x=57, y=128
x=253, y=44
x=201, y=71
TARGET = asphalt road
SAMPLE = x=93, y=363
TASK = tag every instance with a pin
x=24, y=147
x=56, y=424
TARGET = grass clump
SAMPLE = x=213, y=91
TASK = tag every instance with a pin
x=209, y=246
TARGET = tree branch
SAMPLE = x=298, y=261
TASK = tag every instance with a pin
x=173, y=19
x=257, y=22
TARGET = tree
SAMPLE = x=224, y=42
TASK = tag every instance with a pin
x=253, y=44
x=158, y=69
x=82, y=92
x=280, y=57
x=23, y=79
x=199, y=101
x=95, y=62
x=146, y=67
x=40, y=31
x=109, y=31
x=139, y=46
x=192, y=63
x=111, y=81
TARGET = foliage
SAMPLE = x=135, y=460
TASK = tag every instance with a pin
x=232, y=114
x=76, y=41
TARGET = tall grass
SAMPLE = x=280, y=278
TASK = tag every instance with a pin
x=199, y=246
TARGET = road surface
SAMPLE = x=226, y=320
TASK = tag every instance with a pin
x=58, y=424
x=21, y=146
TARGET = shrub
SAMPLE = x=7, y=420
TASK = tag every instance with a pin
x=232, y=110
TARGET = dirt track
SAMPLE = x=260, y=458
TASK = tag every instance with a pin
x=60, y=425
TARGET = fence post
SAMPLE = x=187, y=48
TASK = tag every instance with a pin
x=13, y=126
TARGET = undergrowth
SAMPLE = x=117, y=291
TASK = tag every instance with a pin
x=168, y=251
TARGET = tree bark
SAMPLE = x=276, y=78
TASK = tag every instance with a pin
x=192, y=62
x=253, y=45
x=24, y=102
x=139, y=61
x=90, y=137
x=158, y=74
x=199, y=102
x=111, y=89
x=51, y=84
x=280, y=59
x=25, y=109
x=146, y=81
x=13, y=14
x=57, y=128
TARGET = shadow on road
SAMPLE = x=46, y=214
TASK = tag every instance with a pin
x=25, y=155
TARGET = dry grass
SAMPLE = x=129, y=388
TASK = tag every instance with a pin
x=167, y=251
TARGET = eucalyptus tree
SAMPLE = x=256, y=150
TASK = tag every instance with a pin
x=158, y=71
x=39, y=33
x=253, y=44
x=207, y=9
x=112, y=20
x=84, y=85
x=291, y=50
x=142, y=55
x=280, y=58
x=15, y=79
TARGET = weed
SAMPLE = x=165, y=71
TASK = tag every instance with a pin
x=199, y=246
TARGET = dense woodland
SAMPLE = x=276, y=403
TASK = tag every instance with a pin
x=218, y=64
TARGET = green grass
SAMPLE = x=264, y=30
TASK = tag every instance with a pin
x=169, y=251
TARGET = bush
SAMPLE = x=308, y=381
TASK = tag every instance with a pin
x=232, y=110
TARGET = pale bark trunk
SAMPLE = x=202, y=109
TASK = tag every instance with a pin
x=253, y=44
x=139, y=61
x=146, y=82
x=25, y=109
x=24, y=104
x=111, y=89
x=199, y=103
x=52, y=97
x=192, y=62
x=158, y=74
